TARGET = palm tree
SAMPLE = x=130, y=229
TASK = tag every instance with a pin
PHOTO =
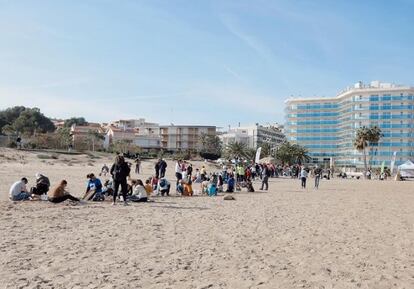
x=301, y=154
x=289, y=153
x=374, y=136
x=266, y=149
x=361, y=143
x=364, y=138
x=236, y=150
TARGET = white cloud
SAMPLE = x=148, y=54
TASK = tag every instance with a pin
x=232, y=25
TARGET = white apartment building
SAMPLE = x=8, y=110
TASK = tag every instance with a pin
x=255, y=135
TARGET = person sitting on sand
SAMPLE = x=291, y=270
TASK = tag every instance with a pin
x=148, y=187
x=139, y=194
x=93, y=189
x=59, y=194
x=18, y=191
x=107, y=188
x=230, y=184
x=42, y=185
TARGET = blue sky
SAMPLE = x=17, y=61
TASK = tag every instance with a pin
x=196, y=62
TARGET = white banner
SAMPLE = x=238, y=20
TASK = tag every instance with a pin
x=394, y=157
x=258, y=152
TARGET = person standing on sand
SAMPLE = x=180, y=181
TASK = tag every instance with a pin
x=265, y=177
x=157, y=168
x=317, y=173
x=163, y=168
x=59, y=194
x=120, y=171
x=178, y=172
x=137, y=166
x=303, y=176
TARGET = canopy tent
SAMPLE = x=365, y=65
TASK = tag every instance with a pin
x=406, y=170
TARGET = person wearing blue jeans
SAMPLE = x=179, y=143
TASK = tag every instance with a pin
x=18, y=191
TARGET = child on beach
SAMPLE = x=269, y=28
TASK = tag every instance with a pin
x=148, y=187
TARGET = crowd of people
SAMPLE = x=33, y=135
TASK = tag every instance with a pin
x=230, y=178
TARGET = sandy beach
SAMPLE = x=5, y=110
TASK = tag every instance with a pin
x=347, y=234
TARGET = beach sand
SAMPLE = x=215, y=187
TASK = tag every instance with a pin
x=347, y=234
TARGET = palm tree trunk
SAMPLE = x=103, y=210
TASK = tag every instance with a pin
x=365, y=162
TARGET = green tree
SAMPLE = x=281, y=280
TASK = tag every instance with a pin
x=94, y=136
x=361, y=144
x=9, y=115
x=31, y=120
x=289, y=153
x=266, y=149
x=75, y=120
x=210, y=147
x=237, y=150
x=124, y=146
x=365, y=137
x=64, y=137
x=8, y=130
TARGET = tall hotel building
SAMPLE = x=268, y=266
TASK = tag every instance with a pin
x=327, y=126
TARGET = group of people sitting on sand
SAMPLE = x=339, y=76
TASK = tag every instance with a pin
x=135, y=191
x=95, y=190
x=19, y=191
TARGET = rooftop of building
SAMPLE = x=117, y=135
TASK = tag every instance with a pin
x=187, y=126
x=359, y=87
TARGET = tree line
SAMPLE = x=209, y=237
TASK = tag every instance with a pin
x=20, y=120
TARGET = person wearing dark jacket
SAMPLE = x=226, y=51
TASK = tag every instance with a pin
x=157, y=168
x=42, y=185
x=163, y=168
x=120, y=171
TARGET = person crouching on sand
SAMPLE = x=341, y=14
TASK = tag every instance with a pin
x=59, y=194
x=18, y=191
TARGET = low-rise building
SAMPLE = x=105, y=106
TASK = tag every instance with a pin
x=184, y=137
x=143, y=141
x=90, y=136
